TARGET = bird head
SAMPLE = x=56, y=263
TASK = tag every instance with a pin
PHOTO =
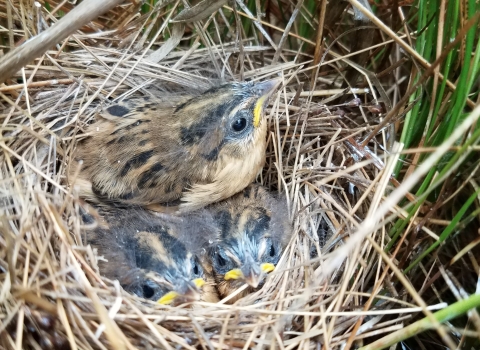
x=246, y=259
x=169, y=283
x=155, y=257
x=182, y=284
x=225, y=120
x=254, y=232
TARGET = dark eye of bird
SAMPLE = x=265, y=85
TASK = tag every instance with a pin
x=195, y=269
x=220, y=260
x=272, y=251
x=148, y=291
x=239, y=124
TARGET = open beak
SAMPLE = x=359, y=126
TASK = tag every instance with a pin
x=264, y=89
x=187, y=292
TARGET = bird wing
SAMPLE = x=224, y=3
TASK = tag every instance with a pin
x=135, y=155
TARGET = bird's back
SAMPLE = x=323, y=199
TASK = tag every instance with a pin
x=177, y=151
x=131, y=154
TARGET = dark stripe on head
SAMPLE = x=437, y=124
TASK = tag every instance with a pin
x=136, y=161
x=151, y=259
x=146, y=258
x=224, y=221
x=258, y=223
x=117, y=110
x=210, y=119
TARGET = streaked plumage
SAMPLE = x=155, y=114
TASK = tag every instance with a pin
x=254, y=231
x=155, y=257
x=181, y=152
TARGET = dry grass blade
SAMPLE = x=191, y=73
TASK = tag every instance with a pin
x=82, y=14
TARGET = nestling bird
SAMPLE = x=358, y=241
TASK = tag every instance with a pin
x=156, y=257
x=254, y=231
x=181, y=152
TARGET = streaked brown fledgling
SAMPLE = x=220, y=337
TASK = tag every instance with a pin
x=254, y=230
x=156, y=257
x=181, y=152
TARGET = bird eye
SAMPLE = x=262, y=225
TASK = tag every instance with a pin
x=239, y=124
x=221, y=261
x=272, y=251
x=195, y=269
x=148, y=291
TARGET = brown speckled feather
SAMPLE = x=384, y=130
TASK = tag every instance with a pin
x=175, y=151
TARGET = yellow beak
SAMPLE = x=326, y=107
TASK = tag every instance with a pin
x=251, y=277
x=265, y=89
x=234, y=274
x=267, y=267
x=198, y=282
x=257, y=111
x=168, y=298
x=192, y=293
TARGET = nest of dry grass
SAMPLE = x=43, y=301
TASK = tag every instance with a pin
x=51, y=293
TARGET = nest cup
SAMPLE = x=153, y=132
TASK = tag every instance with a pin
x=51, y=293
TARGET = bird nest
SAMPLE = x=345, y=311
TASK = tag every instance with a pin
x=51, y=292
